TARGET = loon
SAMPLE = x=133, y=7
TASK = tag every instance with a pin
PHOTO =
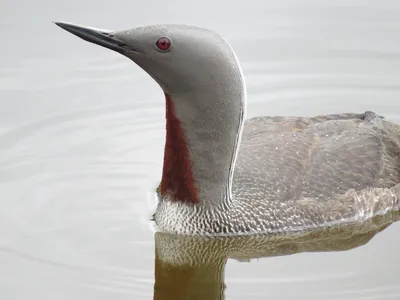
x=223, y=175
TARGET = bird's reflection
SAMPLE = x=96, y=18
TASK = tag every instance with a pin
x=193, y=267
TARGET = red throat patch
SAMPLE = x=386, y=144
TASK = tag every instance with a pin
x=177, y=176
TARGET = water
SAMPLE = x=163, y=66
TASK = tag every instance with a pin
x=81, y=142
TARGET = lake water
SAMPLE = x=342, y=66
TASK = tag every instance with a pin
x=81, y=145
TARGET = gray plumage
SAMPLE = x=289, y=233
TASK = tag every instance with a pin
x=295, y=174
x=266, y=175
x=296, y=158
x=180, y=250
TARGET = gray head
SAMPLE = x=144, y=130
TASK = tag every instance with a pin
x=198, y=71
x=179, y=57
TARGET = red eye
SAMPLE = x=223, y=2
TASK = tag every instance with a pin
x=163, y=43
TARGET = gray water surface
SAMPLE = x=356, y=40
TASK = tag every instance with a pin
x=82, y=135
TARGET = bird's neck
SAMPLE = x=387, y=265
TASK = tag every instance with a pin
x=201, y=148
x=177, y=182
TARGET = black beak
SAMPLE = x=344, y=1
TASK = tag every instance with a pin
x=96, y=36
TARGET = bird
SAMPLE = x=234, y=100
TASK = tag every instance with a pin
x=225, y=175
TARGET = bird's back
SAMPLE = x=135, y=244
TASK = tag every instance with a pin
x=292, y=158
